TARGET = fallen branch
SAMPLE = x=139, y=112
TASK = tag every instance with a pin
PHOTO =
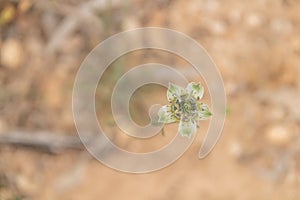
x=47, y=141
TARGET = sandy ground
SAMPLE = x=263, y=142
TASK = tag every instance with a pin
x=255, y=45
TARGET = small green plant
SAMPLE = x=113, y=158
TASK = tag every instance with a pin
x=184, y=108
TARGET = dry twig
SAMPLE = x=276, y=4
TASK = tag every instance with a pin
x=51, y=142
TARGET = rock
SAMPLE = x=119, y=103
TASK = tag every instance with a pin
x=278, y=134
x=11, y=54
x=235, y=149
x=253, y=20
x=218, y=27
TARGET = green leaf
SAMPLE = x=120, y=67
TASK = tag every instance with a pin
x=187, y=128
x=166, y=115
x=174, y=92
x=203, y=112
x=196, y=90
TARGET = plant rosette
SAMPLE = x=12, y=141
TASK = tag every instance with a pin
x=184, y=108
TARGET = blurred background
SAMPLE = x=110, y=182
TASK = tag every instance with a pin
x=256, y=46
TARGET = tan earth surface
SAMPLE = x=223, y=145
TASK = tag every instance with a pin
x=256, y=46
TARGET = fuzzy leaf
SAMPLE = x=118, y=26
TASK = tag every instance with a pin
x=174, y=92
x=196, y=90
x=203, y=112
x=166, y=115
x=187, y=128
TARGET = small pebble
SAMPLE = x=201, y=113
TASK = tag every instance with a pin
x=235, y=149
x=218, y=27
x=11, y=54
x=254, y=20
x=278, y=135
